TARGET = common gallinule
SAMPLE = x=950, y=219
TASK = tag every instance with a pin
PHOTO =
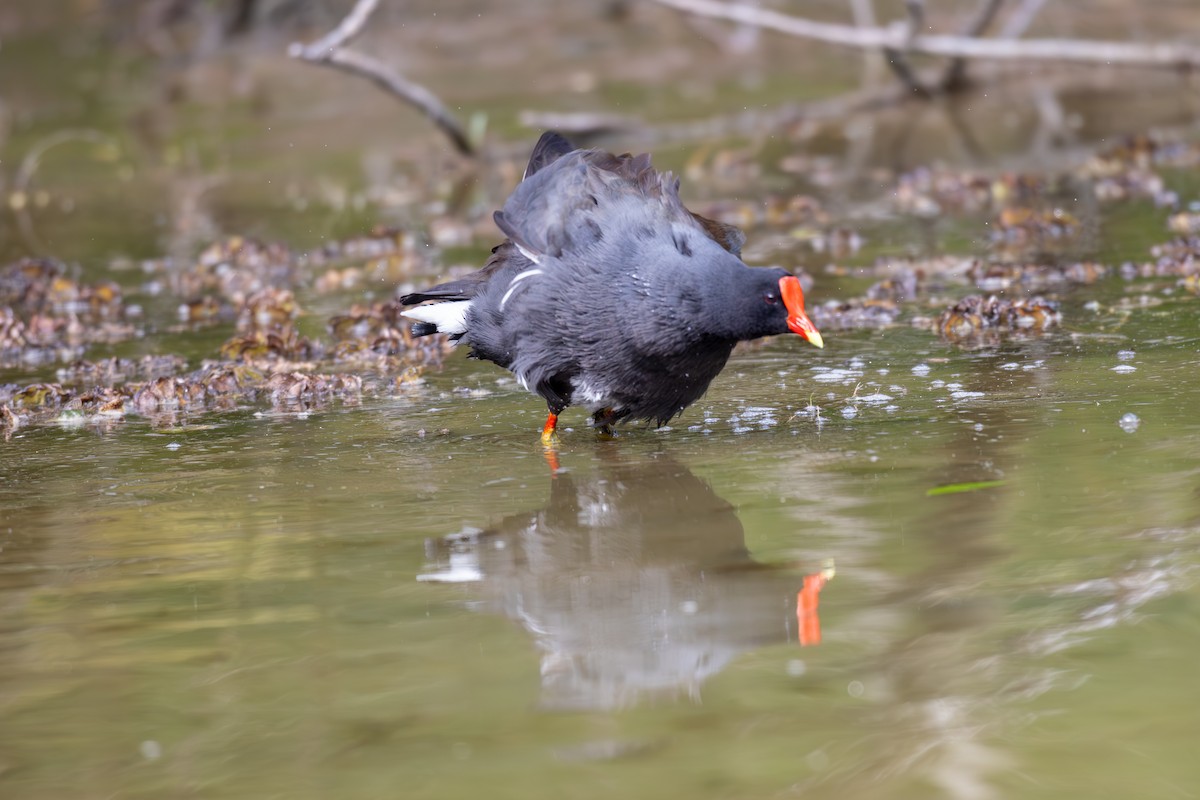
x=608, y=293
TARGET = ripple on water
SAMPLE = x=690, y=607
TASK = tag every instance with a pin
x=875, y=399
x=835, y=375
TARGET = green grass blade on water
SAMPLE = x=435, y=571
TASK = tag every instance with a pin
x=958, y=488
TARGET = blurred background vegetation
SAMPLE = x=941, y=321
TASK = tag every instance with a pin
x=133, y=127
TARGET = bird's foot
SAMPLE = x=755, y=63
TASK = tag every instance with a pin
x=603, y=421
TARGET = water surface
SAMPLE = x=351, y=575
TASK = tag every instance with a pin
x=403, y=596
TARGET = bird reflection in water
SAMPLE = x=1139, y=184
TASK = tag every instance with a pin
x=635, y=582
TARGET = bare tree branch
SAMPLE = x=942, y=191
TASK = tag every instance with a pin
x=345, y=32
x=988, y=9
x=330, y=51
x=897, y=58
x=955, y=77
x=1076, y=51
x=414, y=93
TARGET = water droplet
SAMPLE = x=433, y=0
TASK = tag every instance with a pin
x=1129, y=422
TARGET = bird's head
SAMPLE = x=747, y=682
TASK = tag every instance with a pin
x=762, y=301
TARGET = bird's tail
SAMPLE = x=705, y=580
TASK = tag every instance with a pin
x=448, y=317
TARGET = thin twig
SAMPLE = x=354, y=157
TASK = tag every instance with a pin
x=897, y=58
x=983, y=18
x=955, y=77
x=345, y=32
x=330, y=51
x=414, y=93
x=1076, y=51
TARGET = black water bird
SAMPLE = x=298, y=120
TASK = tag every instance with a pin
x=608, y=293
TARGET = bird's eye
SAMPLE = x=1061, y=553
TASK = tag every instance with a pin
x=771, y=299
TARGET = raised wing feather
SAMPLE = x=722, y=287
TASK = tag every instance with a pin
x=561, y=204
x=549, y=148
x=566, y=205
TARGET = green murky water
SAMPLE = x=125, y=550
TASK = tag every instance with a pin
x=269, y=605
x=404, y=598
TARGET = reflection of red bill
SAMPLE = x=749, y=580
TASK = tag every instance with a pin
x=806, y=606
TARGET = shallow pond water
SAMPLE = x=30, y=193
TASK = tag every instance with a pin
x=404, y=597
x=893, y=568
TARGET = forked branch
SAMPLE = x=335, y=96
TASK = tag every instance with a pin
x=331, y=51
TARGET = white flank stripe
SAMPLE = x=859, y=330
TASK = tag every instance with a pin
x=512, y=286
x=449, y=317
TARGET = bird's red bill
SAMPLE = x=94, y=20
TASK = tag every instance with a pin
x=798, y=321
